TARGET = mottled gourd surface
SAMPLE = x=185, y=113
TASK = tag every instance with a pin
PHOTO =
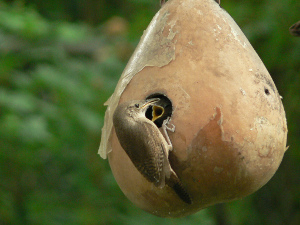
x=230, y=125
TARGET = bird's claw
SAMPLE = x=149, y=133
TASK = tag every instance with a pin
x=166, y=122
x=165, y=127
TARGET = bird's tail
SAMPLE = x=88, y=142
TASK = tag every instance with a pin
x=175, y=183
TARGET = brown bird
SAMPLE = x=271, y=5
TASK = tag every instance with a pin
x=145, y=145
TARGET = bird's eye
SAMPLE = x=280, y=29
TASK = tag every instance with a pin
x=137, y=105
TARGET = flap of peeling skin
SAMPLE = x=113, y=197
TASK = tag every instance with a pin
x=154, y=49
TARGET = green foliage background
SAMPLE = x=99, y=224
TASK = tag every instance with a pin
x=59, y=62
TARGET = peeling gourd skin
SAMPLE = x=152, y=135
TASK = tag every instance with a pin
x=230, y=123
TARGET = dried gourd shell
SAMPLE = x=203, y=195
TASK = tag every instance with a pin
x=230, y=123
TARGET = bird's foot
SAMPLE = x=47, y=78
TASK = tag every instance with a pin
x=165, y=127
x=165, y=124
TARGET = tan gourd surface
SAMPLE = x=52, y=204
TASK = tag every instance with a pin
x=230, y=123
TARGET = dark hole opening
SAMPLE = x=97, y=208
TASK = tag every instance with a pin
x=149, y=113
x=165, y=103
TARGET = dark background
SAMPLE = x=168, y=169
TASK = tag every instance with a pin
x=60, y=61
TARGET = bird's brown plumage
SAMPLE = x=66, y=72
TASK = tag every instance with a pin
x=146, y=146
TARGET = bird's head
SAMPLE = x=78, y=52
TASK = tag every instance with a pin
x=143, y=108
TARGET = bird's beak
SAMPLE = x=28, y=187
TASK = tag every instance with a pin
x=157, y=112
x=149, y=102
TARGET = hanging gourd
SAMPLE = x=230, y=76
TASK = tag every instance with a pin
x=195, y=119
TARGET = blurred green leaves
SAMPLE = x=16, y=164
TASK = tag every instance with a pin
x=26, y=23
x=53, y=83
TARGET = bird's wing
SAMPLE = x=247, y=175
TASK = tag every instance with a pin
x=150, y=156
